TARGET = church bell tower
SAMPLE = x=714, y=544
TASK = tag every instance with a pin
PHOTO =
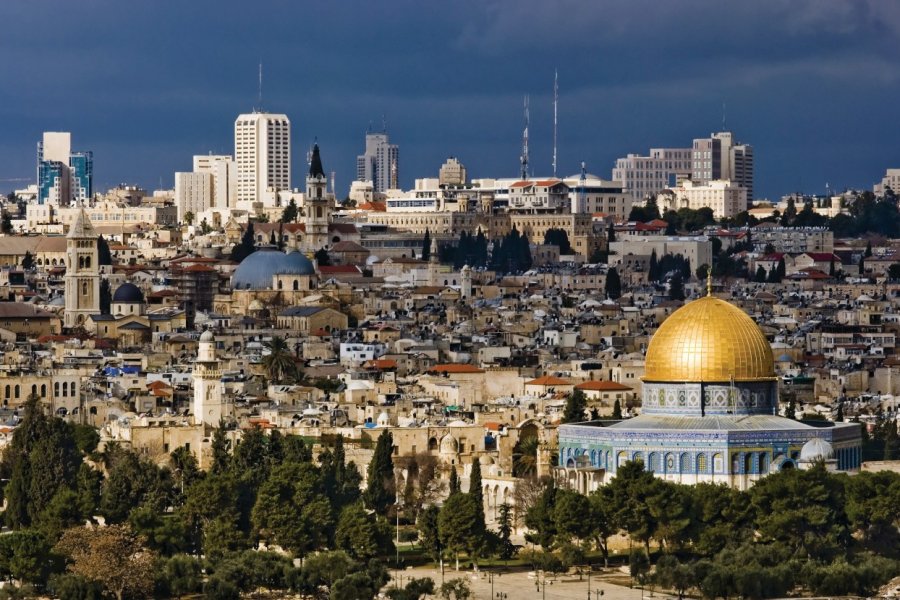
x=82, y=272
x=317, y=204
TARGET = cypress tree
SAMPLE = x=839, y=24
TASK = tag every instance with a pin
x=426, y=246
x=617, y=410
x=454, y=481
x=613, y=285
x=378, y=495
x=576, y=403
x=475, y=489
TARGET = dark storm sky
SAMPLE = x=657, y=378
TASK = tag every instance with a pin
x=812, y=84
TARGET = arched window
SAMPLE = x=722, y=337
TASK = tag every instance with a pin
x=17, y=391
x=43, y=390
x=296, y=285
x=685, y=466
x=6, y=394
x=702, y=466
x=55, y=389
x=34, y=389
x=279, y=284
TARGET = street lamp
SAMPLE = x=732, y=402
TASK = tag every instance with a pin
x=542, y=584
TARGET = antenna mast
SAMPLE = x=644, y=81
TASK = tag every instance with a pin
x=259, y=97
x=524, y=157
x=555, y=122
x=724, y=127
x=582, y=182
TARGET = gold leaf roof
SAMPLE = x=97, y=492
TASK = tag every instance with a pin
x=709, y=340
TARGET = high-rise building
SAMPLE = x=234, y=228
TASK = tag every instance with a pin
x=224, y=178
x=193, y=193
x=719, y=157
x=63, y=177
x=380, y=164
x=453, y=172
x=262, y=153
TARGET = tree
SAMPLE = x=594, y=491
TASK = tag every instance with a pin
x=576, y=404
x=613, y=286
x=104, y=256
x=361, y=535
x=760, y=275
x=112, y=555
x=455, y=589
x=525, y=456
x=291, y=511
x=105, y=297
x=278, y=362
x=323, y=259
x=414, y=590
x=290, y=212
x=189, y=218
x=220, y=446
x=379, y=494
x=475, y=489
x=638, y=565
x=676, y=287
x=868, y=252
x=5, y=223
x=559, y=238
x=504, y=531
x=617, y=410
x=653, y=269
x=453, y=485
x=461, y=526
x=602, y=520
x=790, y=213
x=132, y=482
x=25, y=556
x=41, y=459
x=429, y=536
x=28, y=261
x=426, y=246
x=246, y=246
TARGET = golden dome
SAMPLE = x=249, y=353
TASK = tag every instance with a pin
x=709, y=340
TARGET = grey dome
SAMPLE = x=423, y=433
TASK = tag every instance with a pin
x=128, y=292
x=207, y=336
x=816, y=449
x=257, y=270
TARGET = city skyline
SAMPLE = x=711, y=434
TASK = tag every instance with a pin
x=807, y=84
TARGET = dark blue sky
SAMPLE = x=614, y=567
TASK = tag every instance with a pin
x=812, y=84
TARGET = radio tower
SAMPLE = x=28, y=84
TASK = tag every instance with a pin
x=555, y=122
x=524, y=157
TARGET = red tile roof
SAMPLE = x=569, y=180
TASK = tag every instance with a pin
x=603, y=386
x=548, y=380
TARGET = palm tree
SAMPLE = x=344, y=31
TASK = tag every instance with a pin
x=279, y=363
x=525, y=457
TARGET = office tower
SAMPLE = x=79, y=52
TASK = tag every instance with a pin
x=63, y=177
x=719, y=157
x=262, y=152
x=380, y=164
x=224, y=178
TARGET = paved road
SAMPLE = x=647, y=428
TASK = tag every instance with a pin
x=523, y=585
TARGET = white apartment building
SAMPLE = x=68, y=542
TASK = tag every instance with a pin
x=193, y=193
x=594, y=195
x=262, y=153
x=380, y=163
x=543, y=195
x=453, y=172
x=891, y=180
x=224, y=173
x=725, y=198
x=643, y=176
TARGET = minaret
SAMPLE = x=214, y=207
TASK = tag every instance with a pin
x=209, y=404
x=317, y=204
x=466, y=291
x=82, y=272
x=434, y=265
